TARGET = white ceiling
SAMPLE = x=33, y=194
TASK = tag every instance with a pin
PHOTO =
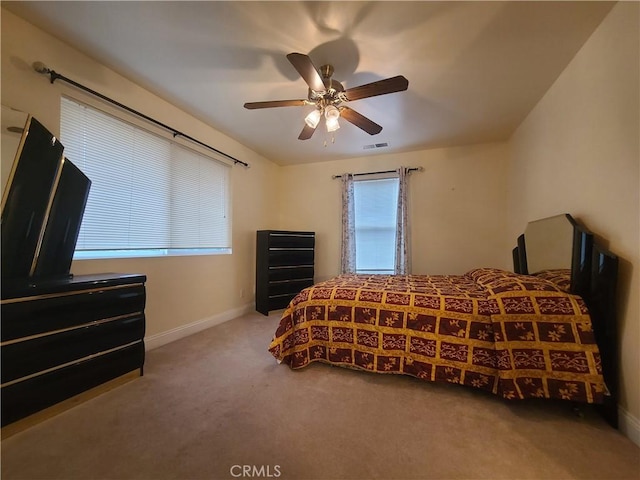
x=475, y=69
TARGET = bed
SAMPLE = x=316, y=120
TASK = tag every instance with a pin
x=517, y=335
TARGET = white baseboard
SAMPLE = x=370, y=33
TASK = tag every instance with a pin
x=629, y=425
x=159, y=339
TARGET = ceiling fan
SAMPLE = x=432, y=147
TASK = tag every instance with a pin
x=328, y=95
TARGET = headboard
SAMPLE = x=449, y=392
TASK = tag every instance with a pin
x=557, y=242
x=562, y=243
x=601, y=302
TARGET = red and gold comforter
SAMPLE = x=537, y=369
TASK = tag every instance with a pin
x=516, y=336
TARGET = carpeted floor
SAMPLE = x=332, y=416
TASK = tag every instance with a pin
x=216, y=403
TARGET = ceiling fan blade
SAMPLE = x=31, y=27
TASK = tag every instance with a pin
x=303, y=64
x=306, y=132
x=381, y=87
x=360, y=121
x=275, y=103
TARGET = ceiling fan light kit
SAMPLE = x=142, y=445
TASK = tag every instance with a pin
x=328, y=95
x=313, y=118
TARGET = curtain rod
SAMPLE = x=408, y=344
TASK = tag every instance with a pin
x=53, y=76
x=412, y=169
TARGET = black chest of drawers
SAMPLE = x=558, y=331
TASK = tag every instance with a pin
x=66, y=336
x=284, y=266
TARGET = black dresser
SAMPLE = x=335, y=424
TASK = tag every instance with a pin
x=284, y=266
x=63, y=337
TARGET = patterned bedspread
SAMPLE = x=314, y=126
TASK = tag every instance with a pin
x=516, y=336
x=561, y=277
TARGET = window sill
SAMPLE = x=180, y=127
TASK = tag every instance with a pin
x=148, y=253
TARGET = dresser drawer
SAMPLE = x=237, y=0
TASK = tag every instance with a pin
x=34, y=394
x=288, y=286
x=281, y=240
x=290, y=273
x=290, y=257
x=35, y=315
x=35, y=354
x=281, y=301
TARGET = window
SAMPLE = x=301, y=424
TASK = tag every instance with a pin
x=149, y=196
x=375, y=205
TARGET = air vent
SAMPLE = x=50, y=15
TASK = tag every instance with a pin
x=376, y=145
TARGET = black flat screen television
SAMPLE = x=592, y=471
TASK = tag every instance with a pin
x=42, y=208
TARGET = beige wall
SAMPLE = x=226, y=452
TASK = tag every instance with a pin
x=578, y=152
x=456, y=206
x=180, y=290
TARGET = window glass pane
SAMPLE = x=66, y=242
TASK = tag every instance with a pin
x=375, y=203
x=148, y=194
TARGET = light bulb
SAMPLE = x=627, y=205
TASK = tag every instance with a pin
x=313, y=118
x=332, y=124
x=331, y=112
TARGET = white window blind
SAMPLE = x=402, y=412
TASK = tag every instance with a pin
x=149, y=196
x=375, y=205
